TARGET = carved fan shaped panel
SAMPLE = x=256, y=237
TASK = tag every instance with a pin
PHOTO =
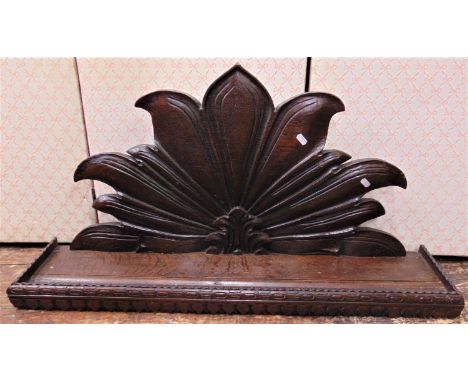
x=234, y=174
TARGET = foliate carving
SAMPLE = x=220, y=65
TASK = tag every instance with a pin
x=237, y=234
x=234, y=174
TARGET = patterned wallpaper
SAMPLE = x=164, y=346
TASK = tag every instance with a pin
x=412, y=113
x=42, y=141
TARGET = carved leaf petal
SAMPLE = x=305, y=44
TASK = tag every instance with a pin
x=299, y=132
x=335, y=186
x=179, y=129
x=348, y=214
x=372, y=242
x=116, y=237
x=132, y=177
x=106, y=237
x=297, y=177
x=237, y=110
x=358, y=242
x=133, y=211
x=168, y=172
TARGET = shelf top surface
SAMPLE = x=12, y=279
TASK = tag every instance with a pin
x=64, y=266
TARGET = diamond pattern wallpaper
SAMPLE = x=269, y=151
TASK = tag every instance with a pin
x=42, y=141
x=412, y=113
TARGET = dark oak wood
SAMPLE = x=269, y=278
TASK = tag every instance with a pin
x=234, y=174
x=237, y=208
x=16, y=259
x=411, y=285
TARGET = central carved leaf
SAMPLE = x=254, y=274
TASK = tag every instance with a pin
x=237, y=233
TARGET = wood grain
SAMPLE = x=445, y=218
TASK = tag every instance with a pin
x=457, y=270
x=268, y=270
x=233, y=175
x=9, y=314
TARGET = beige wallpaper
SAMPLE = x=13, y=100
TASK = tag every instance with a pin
x=42, y=140
x=412, y=113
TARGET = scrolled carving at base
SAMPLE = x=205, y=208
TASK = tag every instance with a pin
x=234, y=174
x=237, y=234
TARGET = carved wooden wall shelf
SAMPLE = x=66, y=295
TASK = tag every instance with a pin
x=237, y=208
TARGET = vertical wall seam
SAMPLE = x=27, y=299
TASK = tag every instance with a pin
x=83, y=117
x=307, y=74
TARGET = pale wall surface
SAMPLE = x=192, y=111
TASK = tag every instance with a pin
x=412, y=113
x=42, y=141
